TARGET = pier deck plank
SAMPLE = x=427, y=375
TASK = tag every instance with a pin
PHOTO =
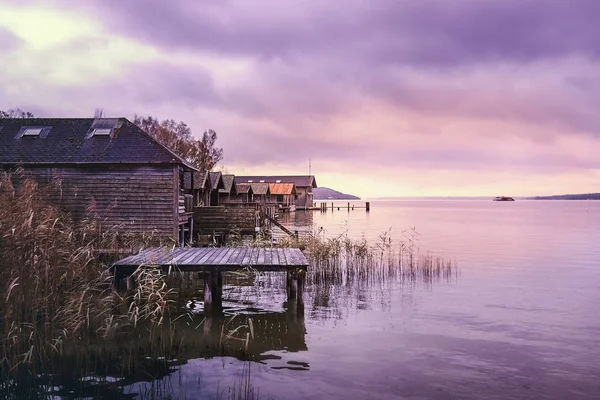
x=221, y=258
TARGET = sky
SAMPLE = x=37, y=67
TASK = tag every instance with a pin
x=385, y=98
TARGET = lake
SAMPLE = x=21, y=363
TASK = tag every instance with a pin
x=519, y=318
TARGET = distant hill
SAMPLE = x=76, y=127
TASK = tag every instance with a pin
x=324, y=193
x=583, y=196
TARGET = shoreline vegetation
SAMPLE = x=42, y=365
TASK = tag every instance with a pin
x=582, y=196
x=61, y=319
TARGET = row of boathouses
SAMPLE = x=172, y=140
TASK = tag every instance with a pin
x=111, y=170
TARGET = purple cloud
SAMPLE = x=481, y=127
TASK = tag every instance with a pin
x=466, y=85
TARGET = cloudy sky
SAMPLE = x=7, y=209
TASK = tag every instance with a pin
x=387, y=97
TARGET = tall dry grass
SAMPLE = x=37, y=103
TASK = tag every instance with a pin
x=344, y=260
x=57, y=295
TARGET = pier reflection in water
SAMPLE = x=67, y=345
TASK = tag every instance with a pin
x=258, y=322
x=256, y=316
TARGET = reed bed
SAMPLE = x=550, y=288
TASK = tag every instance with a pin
x=344, y=260
x=57, y=294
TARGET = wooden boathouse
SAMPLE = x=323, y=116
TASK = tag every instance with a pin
x=304, y=185
x=104, y=168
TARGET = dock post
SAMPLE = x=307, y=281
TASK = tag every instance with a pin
x=207, y=294
x=292, y=285
x=130, y=280
x=300, y=283
x=213, y=292
x=348, y=206
x=117, y=278
x=368, y=206
x=218, y=292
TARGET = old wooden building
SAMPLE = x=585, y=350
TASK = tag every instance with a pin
x=304, y=185
x=216, y=185
x=260, y=192
x=243, y=194
x=103, y=168
x=283, y=195
x=229, y=191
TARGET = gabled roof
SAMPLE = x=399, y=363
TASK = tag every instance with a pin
x=216, y=180
x=298, y=180
x=201, y=180
x=70, y=141
x=242, y=188
x=282, y=188
x=228, y=182
x=260, y=188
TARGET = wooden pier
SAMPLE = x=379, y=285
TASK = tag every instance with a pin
x=323, y=206
x=213, y=261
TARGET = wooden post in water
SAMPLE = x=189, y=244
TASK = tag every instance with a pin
x=213, y=292
x=300, y=282
x=217, y=283
x=130, y=282
x=292, y=292
x=348, y=206
x=368, y=206
x=207, y=294
x=291, y=285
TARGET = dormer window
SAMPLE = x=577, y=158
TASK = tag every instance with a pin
x=101, y=132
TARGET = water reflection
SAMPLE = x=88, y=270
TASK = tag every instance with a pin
x=257, y=329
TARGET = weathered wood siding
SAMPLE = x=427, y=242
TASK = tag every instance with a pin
x=240, y=198
x=226, y=219
x=137, y=199
x=304, y=199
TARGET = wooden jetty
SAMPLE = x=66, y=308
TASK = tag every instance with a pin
x=324, y=207
x=213, y=261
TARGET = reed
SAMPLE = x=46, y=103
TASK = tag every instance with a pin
x=57, y=294
x=343, y=260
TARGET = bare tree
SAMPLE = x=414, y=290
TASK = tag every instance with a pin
x=15, y=113
x=99, y=113
x=178, y=137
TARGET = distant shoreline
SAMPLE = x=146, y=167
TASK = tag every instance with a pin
x=583, y=196
x=590, y=196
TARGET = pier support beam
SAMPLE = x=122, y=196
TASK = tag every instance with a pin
x=295, y=289
x=213, y=292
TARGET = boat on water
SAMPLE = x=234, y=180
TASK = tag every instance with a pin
x=503, y=198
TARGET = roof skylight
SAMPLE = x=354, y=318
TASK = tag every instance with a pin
x=101, y=132
x=32, y=131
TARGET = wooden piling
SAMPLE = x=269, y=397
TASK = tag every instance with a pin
x=207, y=294
x=368, y=206
x=300, y=285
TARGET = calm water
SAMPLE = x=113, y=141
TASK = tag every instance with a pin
x=521, y=321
